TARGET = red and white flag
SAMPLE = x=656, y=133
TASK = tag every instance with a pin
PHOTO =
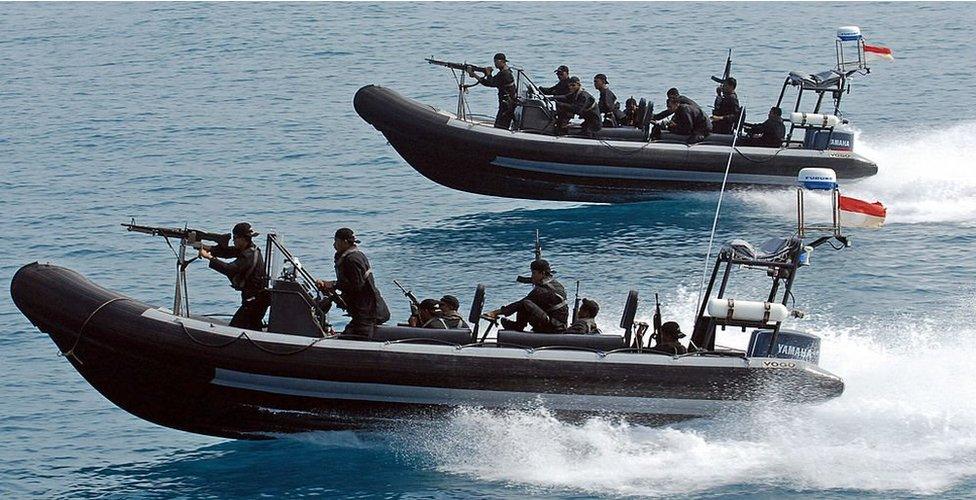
x=878, y=53
x=858, y=213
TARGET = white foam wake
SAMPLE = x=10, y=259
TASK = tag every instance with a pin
x=925, y=175
x=906, y=423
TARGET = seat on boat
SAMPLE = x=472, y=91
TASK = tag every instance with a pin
x=711, y=140
x=772, y=250
x=600, y=342
x=393, y=333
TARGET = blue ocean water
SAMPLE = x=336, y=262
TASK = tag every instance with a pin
x=214, y=113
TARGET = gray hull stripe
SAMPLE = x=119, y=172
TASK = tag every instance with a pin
x=638, y=173
x=389, y=393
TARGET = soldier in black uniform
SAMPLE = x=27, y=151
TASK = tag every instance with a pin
x=630, y=114
x=504, y=81
x=449, y=305
x=562, y=86
x=428, y=316
x=667, y=341
x=725, y=116
x=586, y=319
x=673, y=94
x=577, y=102
x=354, y=278
x=688, y=120
x=609, y=107
x=768, y=134
x=544, y=308
x=246, y=274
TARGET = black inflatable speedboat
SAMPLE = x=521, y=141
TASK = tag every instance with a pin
x=617, y=166
x=622, y=164
x=200, y=375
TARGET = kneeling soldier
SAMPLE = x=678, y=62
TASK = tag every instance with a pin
x=544, y=307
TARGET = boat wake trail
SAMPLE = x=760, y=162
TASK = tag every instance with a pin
x=924, y=176
x=890, y=432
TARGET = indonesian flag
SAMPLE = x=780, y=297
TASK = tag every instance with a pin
x=878, y=53
x=858, y=213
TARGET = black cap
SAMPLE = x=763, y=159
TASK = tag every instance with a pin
x=731, y=81
x=563, y=68
x=500, y=57
x=429, y=304
x=671, y=330
x=243, y=229
x=541, y=265
x=574, y=79
x=450, y=301
x=346, y=234
x=601, y=76
x=673, y=91
x=591, y=306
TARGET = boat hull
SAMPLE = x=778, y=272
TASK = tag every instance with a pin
x=202, y=377
x=479, y=159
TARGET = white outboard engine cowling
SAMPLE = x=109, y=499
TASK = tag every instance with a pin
x=790, y=344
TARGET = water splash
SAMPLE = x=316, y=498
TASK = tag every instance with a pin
x=889, y=433
x=924, y=176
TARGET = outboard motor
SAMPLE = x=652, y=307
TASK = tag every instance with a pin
x=825, y=132
x=790, y=344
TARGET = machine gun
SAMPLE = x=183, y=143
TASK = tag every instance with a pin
x=192, y=237
x=465, y=67
x=187, y=237
x=414, y=303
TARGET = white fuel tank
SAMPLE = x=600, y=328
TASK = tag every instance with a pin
x=814, y=119
x=747, y=310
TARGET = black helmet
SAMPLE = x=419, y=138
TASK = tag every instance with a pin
x=541, y=265
x=346, y=234
x=671, y=330
x=243, y=230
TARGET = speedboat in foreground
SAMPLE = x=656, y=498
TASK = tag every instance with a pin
x=200, y=375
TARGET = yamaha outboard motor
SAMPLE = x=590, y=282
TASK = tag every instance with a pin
x=790, y=344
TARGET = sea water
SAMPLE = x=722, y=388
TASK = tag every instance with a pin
x=209, y=114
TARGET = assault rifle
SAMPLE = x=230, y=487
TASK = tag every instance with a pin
x=414, y=303
x=459, y=66
x=576, y=303
x=538, y=256
x=727, y=72
x=193, y=237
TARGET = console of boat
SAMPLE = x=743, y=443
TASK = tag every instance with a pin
x=197, y=374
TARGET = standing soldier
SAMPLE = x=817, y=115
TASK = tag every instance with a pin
x=504, y=81
x=246, y=274
x=562, y=86
x=609, y=107
x=544, y=308
x=725, y=116
x=354, y=278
